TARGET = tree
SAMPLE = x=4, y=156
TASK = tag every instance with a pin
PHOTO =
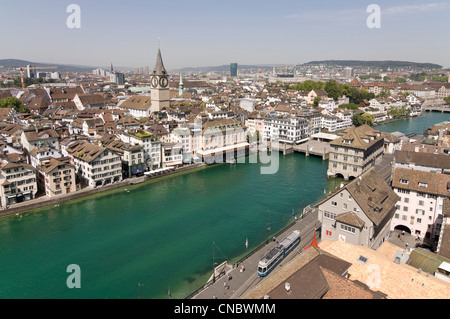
x=316, y=101
x=384, y=93
x=333, y=90
x=357, y=119
x=365, y=118
x=447, y=100
x=368, y=118
x=13, y=103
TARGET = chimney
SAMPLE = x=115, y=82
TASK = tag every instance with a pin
x=287, y=286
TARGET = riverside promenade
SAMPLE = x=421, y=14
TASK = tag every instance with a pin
x=44, y=201
x=243, y=281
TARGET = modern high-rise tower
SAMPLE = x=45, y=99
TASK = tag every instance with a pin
x=233, y=69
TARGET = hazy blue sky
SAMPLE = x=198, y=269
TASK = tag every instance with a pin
x=209, y=32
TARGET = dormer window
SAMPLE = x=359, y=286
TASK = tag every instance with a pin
x=404, y=181
x=423, y=185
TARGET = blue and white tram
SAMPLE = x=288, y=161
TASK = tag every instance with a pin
x=278, y=253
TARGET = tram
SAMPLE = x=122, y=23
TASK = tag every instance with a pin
x=278, y=253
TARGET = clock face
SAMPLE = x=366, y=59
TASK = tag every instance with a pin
x=154, y=81
x=163, y=82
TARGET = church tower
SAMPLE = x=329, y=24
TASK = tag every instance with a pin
x=159, y=85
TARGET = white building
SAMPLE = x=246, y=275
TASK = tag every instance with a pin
x=285, y=129
x=419, y=210
x=18, y=183
x=151, y=148
x=95, y=165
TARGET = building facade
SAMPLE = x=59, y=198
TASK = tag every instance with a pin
x=359, y=212
x=355, y=152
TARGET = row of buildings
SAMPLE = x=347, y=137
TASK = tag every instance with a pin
x=409, y=193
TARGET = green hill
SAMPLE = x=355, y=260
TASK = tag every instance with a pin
x=376, y=64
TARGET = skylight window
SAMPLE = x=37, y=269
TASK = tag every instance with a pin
x=362, y=259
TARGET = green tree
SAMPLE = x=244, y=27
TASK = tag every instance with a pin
x=333, y=89
x=14, y=103
x=447, y=100
x=384, y=93
x=399, y=80
x=368, y=118
x=316, y=101
x=357, y=119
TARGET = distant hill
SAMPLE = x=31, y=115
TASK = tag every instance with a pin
x=15, y=63
x=376, y=64
x=222, y=68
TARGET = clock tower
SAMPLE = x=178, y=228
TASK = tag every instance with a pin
x=159, y=81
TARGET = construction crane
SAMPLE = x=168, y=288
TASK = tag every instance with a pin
x=32, y=68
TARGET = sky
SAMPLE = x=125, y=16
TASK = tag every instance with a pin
x=194, y=33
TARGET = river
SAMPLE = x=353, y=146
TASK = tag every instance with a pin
x=160, y=234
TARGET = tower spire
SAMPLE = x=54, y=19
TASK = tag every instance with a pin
x=180, y=86
x=159, y=65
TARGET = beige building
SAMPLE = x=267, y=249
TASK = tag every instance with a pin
x=57, y=177
x=95, y=165
x=360, y=212
x=18, y=183
x=355, y=152
x=220, y=140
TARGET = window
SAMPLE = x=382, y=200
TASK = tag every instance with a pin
x=348, y=228
x=405, y=208
x=421, y=202
x=345, y=206
x=404, y=217
x=362, y=259
x=404, y=181
x=419, y=220
x=397, y=216
x=406, y=200
x=420, y=211
x=423, y=185
x=333, y=203
x=329, y=215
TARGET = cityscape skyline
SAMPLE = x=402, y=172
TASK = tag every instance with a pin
x=200, y=34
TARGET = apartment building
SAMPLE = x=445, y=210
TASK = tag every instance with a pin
x=285, y=128
x=420, y=208
x=360, y=212
x=151, y=147
x=57, y=177
x=95, y=165
x=355, y=152
x=18, y=183
x=32, y=138
x=219, y=140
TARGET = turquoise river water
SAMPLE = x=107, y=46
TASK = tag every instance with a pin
x=160, y=233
